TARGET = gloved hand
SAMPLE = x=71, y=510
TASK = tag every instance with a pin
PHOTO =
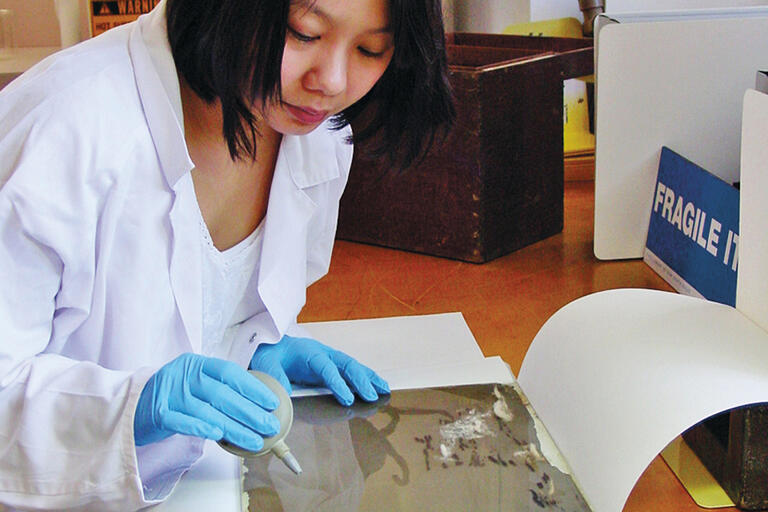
x=307, y=361
x=205, y=397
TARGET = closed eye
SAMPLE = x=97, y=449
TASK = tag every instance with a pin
x=369, y=53
x=303, y=38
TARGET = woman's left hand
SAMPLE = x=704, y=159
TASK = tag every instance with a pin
x=309, y=362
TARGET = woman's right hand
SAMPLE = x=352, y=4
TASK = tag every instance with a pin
x=205, y=397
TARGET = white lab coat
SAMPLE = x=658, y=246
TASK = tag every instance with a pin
x=100, y=279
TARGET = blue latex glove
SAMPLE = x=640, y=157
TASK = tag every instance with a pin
x=205, y=397
x=309, y=362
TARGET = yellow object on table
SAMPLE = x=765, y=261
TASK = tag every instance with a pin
x=694, y=476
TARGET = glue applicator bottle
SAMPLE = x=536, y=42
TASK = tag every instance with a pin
x=284, y=414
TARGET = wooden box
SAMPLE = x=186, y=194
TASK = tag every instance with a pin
x=734, y=447
x=495, y=184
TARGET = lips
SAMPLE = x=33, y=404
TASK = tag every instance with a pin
x=306, y=115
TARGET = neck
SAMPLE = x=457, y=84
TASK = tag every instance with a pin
x=204, y=126
x=232, y=194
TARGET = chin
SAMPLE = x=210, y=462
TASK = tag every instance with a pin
x=297, y=129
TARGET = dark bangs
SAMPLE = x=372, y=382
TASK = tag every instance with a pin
x=231, y=50
x=413, y=101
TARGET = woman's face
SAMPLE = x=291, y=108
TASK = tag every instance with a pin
x=335, y=51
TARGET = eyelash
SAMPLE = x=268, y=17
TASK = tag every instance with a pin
x=369, y=54
x=303, y=38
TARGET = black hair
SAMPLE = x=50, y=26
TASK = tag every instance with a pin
x=412, y=101
x=232, y=50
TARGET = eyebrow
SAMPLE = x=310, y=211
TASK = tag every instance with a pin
x=312, y=7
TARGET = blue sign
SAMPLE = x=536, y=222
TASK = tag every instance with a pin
x=693, y=235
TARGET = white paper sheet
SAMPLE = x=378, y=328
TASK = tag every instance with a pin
x=617, y=375
x=410, y=351
x=397, y=342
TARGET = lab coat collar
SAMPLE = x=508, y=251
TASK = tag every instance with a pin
x=303, y=162
x=155, y=71
x=313, y=156
x=159, y=91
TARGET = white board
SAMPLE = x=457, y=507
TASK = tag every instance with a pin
x=678, y=83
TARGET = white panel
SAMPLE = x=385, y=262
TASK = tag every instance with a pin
x=658, y=5
x=752, y=283
x=675, y=83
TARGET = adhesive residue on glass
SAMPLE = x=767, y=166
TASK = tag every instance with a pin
x=471, y=424
x=500, y=406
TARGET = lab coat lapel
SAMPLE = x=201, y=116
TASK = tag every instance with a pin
x=302, y=163
x=282, y=276
x=185, y=265
x=164, y=118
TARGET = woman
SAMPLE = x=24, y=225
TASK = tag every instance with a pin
x=169, y=189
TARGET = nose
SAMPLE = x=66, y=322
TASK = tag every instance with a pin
x=329, y=74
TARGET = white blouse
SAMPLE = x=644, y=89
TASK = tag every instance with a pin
x=225, y=276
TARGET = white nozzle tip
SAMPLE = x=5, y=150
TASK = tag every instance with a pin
x=291, y=462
